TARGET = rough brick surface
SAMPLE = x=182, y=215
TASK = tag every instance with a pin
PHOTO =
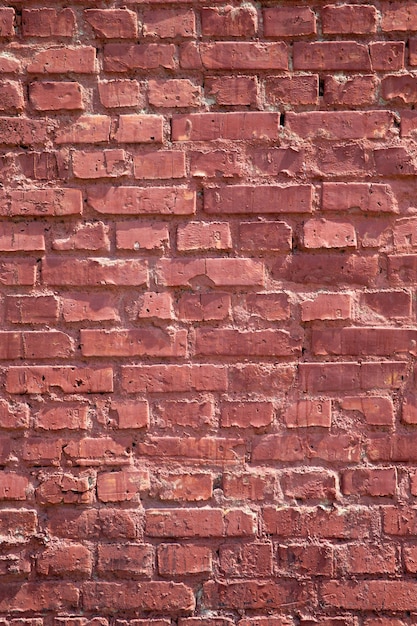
x=208, y=343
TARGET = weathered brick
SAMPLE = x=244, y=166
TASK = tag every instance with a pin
x=112, y=23
x=48, y=22
x=79, y=60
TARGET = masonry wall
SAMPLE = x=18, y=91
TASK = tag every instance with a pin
x=208, y=268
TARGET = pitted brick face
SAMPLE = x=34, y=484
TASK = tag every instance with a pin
x=208, y=343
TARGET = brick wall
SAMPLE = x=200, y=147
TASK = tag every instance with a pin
x=208, y=267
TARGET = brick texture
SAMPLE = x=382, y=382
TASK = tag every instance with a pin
x=208, y=343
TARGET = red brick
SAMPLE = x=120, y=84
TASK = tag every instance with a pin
x=178, y=560
x=66, y=488
x=166, y=597
x=7, y=20
x=48, y=96
x=18, y=524
x=369, y=482
x=125, y=560
x=192, y=413
x=14, y=416
x=243, y=55
x=245, y=343
x=85, y=237
x=167, y=378
x=79, y=60
x=294, y=447
x=152, y=304
x=251, y=377
x=390, y=304
x=217, y=163
x=123, y=57
x=210, y=126
x=229, y=21
x=204, y=307
x=130, y=414
x=117, y=94
x=321, y=233
x=367, y=197
x=257, y=486
x=275, y=236
x=401, y=448
x=169, y=23
x=350, y=91
x=141, y=236
x=346, y=19
x=387, y=55
x=314, y=560
x=11, y=97
x=164, y=164
x=121, y=486
x=35, y=596
x=43, y=202
x=13, y=486
x=22, y=131
x=253, y=594
x=48, y=22
x=310, y=485
x=394, y=161
x=378, y=411
x=96, y=307
x=87, y=129
x=412, y=52
x=32, y=379
x=98, y=451
x=292, y=89
x=105, y=164
x=246, y=414
x=139, y=129
x=348, y=376
x=327, y=306
x=146, y=200
x=368, y=559
x=18, y=272
x=133, y=342
x=57, y=417
x=370, y=595
x=289, y=21
x=112, y=23
x=35, y=345
x=268, y=306
x=198, y=523
x=347, y=269
x=348, y=523
x=410, y=558
x=21, y=237
x=173, y=93
x=307, y=413
x=225, y=272
x=200, y=450
x=94, y=272
x=92, y=523
x=401, y=89
x=233, y=90
x=180, y=487
x=253, y=559
x=335, y=125
x=204, y=236
x=73, y=560
x=9, y=64
x=261, y=198
x=399, y=17
x=331, y=56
